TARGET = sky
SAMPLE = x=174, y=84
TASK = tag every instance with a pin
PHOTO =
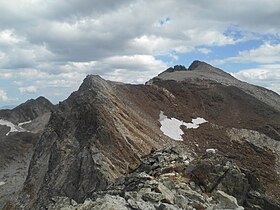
x=47, y=47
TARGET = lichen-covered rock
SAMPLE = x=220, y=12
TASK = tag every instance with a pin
x=105, y=203
x=257, y=200
x=225, y=202
x=167, y=193
x=214, y=171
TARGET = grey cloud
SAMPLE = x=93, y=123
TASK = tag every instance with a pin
x=119, y=39
x=251, y=14
x=117, y=25
x=66, y=10
x=93, y=30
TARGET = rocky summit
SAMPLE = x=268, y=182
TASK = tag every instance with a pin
x=190, y=138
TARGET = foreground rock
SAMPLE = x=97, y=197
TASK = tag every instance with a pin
x=167, y=180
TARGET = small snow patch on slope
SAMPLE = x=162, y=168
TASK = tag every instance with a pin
x=212, y=151
x=172, y=127
x=2, y=183
x=198, y=121
x=24, y=123
x=13, y=127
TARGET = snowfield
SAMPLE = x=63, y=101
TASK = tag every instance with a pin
x=13, y=127
x=2, y=183
x=172, y=127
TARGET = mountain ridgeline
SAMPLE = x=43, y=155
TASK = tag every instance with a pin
x=107, y=145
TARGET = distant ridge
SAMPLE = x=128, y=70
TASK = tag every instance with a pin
x=200, y=70
x=8, y=107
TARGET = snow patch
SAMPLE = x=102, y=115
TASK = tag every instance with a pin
x=24, y=123
x=171, y=127
x=211, y=151
x=198, y=121
x=187, y=162
x=2, y=183
x=13, y=127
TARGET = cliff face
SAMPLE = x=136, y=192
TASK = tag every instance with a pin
x=103, y=130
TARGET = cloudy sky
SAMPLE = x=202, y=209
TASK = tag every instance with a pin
x=47, y=47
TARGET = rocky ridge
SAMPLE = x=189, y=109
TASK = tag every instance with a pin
x=170, y=179
x=91, y=140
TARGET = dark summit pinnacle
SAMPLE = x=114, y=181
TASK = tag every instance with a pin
x=198, y=65
x=176, y=68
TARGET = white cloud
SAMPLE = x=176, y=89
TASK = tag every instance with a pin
x=204, y=50
x=265, y=75
x=7, y=37
x=58, y=83
x=266, y=53
x=131, y=69
x=29, y=89
x=3, y=95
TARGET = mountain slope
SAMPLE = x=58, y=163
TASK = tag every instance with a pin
x=20, y=128
x=202, y=71
x=103, y=130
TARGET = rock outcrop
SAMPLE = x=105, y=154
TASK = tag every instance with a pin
x=168, y=179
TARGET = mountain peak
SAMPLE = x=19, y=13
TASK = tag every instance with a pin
x=93, y=82
x=28, y=110
x=40, y=101
x=200, y=65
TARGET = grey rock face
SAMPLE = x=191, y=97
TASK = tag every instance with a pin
x=226, y=202
x=213, y=172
